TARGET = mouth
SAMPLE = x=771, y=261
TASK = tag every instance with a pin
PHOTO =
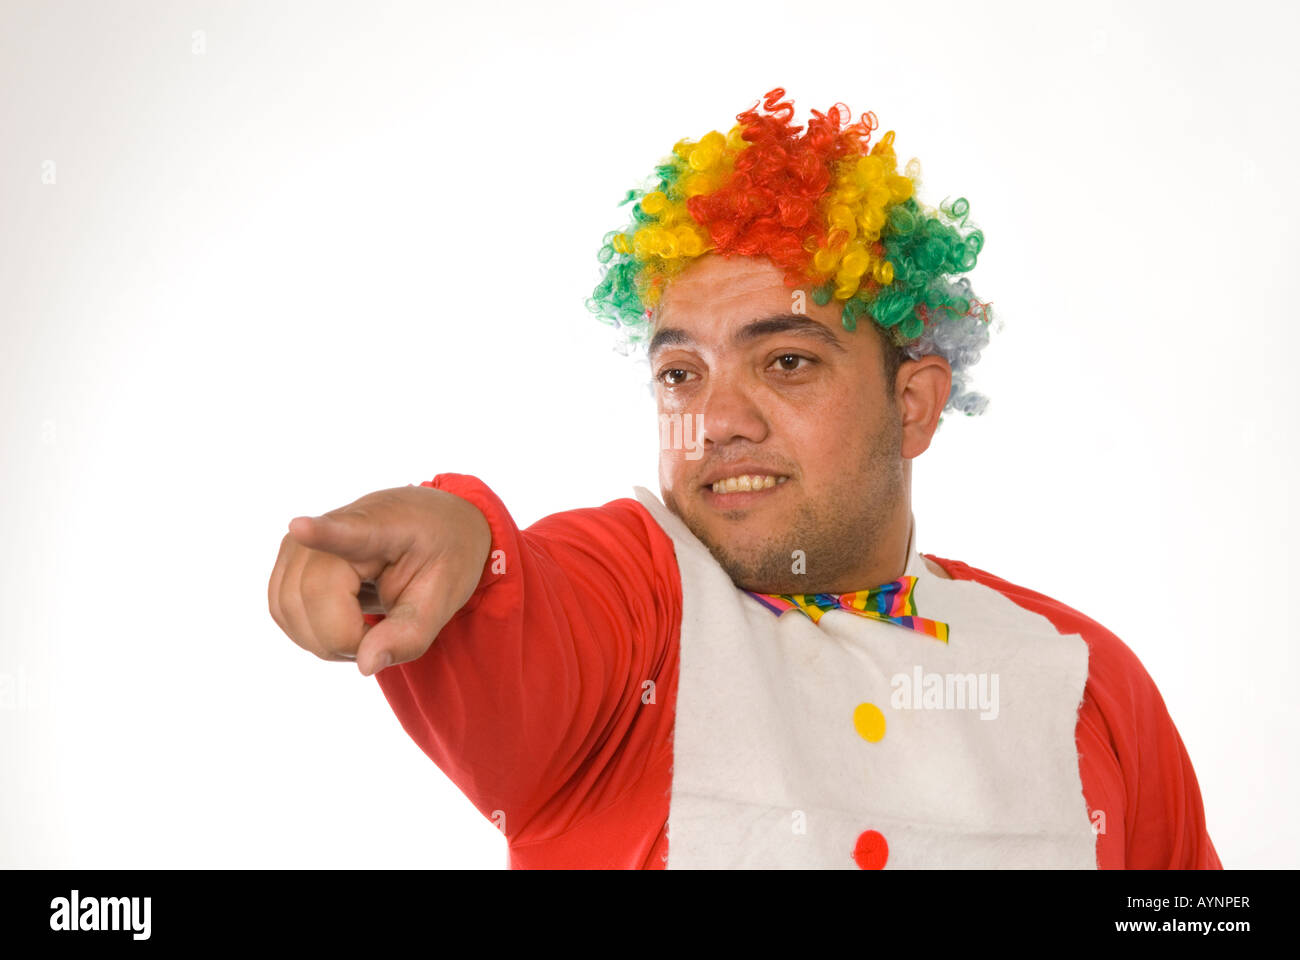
x=742, y=489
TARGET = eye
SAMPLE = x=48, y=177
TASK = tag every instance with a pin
x=789, y=362
x=672, y=376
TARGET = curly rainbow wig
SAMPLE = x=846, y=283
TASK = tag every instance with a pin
x=826, y=207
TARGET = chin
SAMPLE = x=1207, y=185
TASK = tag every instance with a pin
x=747, y=552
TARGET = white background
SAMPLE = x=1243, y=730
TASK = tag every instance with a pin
x=346, y=246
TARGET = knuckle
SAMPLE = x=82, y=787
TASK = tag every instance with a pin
x=325, y=576
x=314, y=588
x=336, y=646
x=274, y=604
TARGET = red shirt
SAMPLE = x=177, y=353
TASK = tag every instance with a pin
x=532, y=699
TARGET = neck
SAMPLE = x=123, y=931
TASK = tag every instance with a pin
x=890, y=560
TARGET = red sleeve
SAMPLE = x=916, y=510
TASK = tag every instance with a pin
x=531, y=699
x=1138, y=780
x=1135, y=768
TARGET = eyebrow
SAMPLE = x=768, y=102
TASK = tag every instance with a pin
x=754, y=330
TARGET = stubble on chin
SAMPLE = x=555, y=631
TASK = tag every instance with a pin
x=739, y=569
x=815, y=544
x=764, y=564
x=809, y=549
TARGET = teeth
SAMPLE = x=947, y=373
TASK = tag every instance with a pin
x=749, y=482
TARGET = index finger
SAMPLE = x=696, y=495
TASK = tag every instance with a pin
x=349, y=534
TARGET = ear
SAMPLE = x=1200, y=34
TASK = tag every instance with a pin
x=921, y=391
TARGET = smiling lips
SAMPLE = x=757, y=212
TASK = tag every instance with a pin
x=746, y=483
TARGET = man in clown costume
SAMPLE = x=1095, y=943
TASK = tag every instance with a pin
x=757, y=668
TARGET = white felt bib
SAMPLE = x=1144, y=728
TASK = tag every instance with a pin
x=798, y=743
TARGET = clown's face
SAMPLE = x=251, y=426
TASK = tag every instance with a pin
x=779, y=390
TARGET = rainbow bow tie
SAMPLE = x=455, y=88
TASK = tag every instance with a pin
x=891, y=602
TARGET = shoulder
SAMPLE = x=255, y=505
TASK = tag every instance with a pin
x=622, y=525
x=613, y=550
x=1121, y=707
x=1112, y=664
x=1134, y=766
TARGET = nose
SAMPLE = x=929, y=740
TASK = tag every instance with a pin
x=731, y=413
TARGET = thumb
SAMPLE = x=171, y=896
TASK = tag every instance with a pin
x=405, y=633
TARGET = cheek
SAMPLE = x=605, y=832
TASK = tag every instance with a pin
x=670, y=402
x=832, y=448
x=673, y=468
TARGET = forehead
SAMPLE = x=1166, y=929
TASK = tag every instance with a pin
x=718, y=287
x=715, y=295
